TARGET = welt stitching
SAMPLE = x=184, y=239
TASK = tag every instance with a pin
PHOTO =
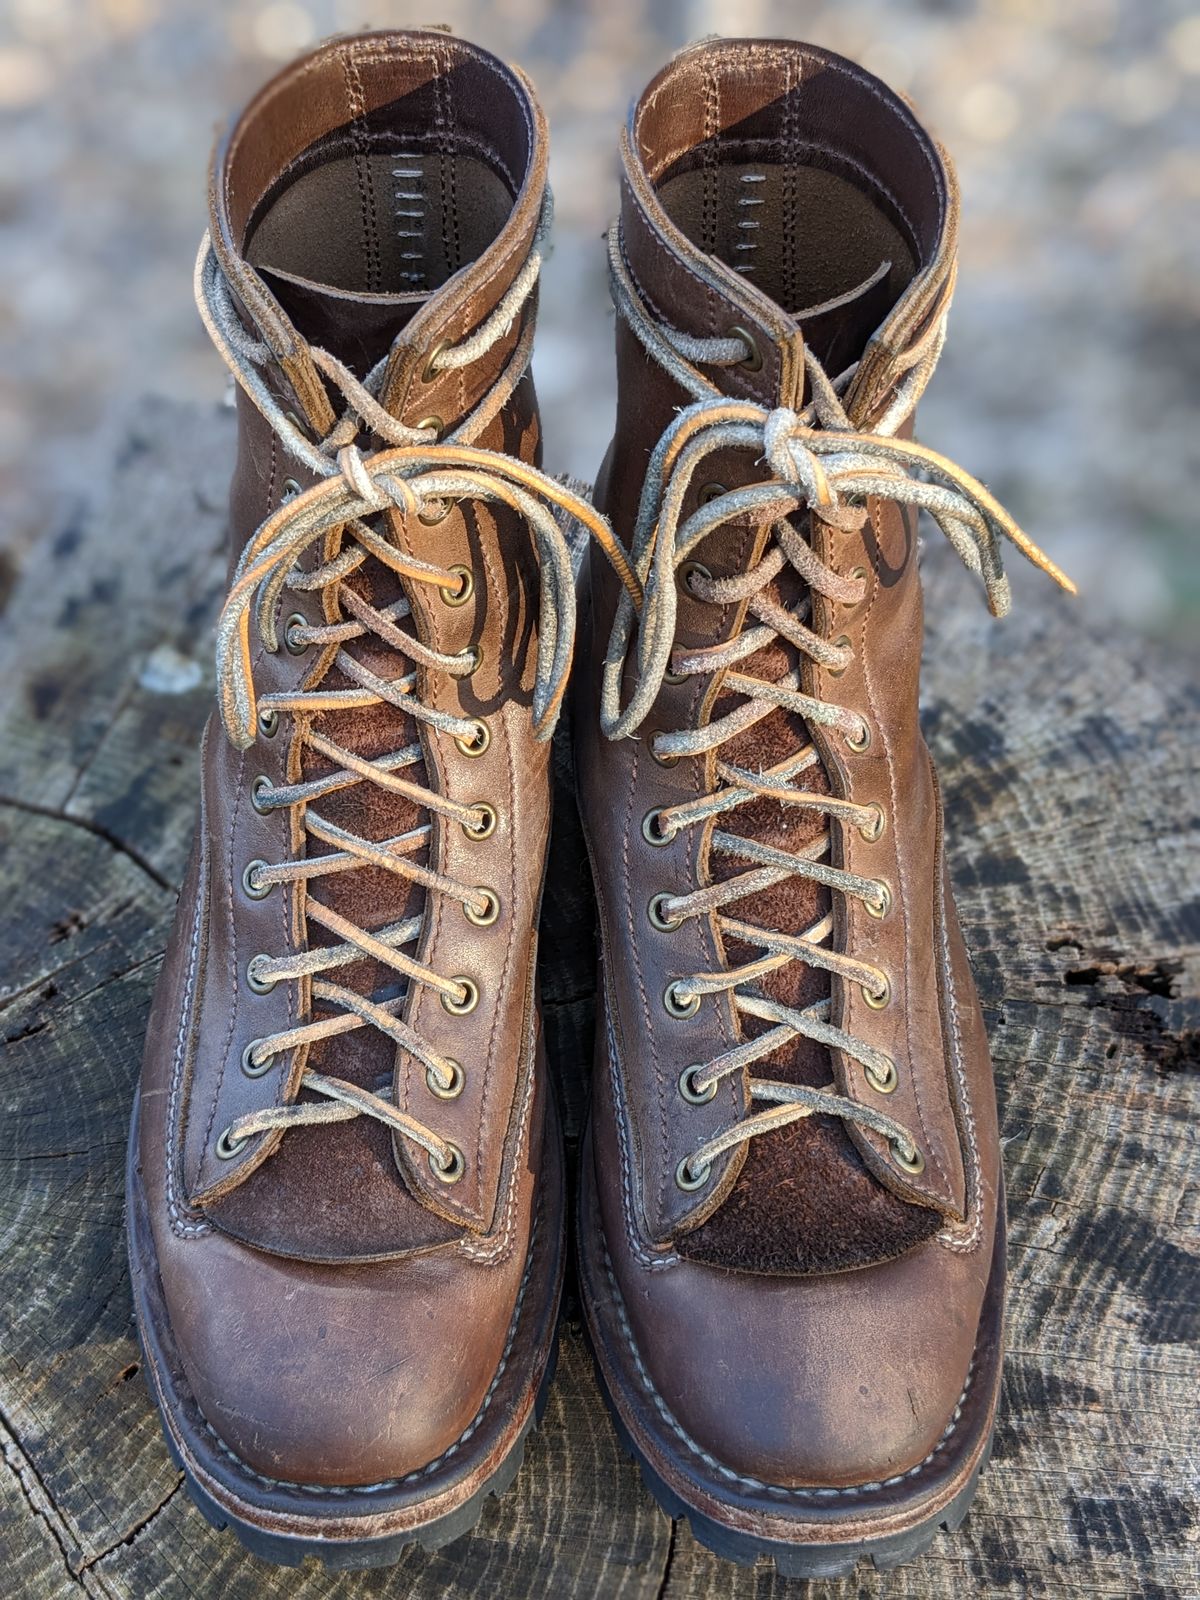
x=779, y=1491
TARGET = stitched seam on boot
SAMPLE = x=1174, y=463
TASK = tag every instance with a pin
x=653, y=1263
x=951, y=1238
x=905, y=895
x=781, y=1491
x=176, y=1213
x=505, y=1237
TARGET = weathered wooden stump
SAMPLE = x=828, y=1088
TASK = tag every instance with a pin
x=1068, y=764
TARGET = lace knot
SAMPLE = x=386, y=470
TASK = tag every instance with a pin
x=354, y=469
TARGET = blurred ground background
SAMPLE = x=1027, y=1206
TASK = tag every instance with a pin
x=1071, y=383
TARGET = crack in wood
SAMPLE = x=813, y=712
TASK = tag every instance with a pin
x=120, y=845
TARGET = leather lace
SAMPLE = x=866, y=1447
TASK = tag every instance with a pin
x=415, y=474
x=819, y=464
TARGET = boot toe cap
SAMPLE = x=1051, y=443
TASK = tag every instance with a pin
x=836, y=1382
x=336, y=1376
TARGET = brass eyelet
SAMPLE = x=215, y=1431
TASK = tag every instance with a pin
x=450, y=1171
x=250, y=1067
x=296, y=647
x=289, y=489
x=914, y=1165
x=710, y=491
x=429, y=517
x=447, y=1091
x=675, y=677
x=475, y=651
x=677, y=1007
x=879, y=908
x=692, y=569
x=477, y=745
x=256, y=891
x=686, y=1181
x=658, y=917
x=863, y=742
x=752, y=361
x=878, y=1001
x=228, y=1146
x=487, y=826
x=259, y=985
x=432, y=421
x=882, y=1082
x=460, y=1008
x=261, y=786
x=688, y=1089
x=650, y=830
x=268, y=722
x=431, y=372
x=856, y=573
x=872, y=831
x=664, y=761
x=466, y=587
x=485, y=918
x=840, y=643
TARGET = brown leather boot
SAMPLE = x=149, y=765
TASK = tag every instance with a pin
x=345, y=1184
x=791, y=1223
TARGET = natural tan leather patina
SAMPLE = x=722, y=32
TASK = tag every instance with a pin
x=791, y=1222
x=345, y=1189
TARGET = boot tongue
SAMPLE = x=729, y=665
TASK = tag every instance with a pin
x=359, y=329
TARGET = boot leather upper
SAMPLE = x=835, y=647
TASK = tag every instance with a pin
x=339, y=1311
x=807, y=1314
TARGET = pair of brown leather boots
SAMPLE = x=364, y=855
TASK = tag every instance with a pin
x=346, y=1193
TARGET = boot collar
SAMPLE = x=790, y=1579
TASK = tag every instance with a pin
x=771, y=95
x=348, y=88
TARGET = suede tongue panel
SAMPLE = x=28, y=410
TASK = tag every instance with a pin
x=804, y=1201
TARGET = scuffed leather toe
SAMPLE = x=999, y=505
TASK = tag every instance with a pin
x=827, y=1381
x=335, y=1376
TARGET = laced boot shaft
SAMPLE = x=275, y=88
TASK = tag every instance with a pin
x=365, y=643
x=348, y=1171
x=782, y=276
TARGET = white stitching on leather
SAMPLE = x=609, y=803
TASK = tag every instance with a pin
x=506, y=1232
x=954, y=1238
x=177, y=1213
x=652, y=1263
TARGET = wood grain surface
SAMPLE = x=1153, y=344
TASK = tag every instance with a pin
x=1069, y=764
